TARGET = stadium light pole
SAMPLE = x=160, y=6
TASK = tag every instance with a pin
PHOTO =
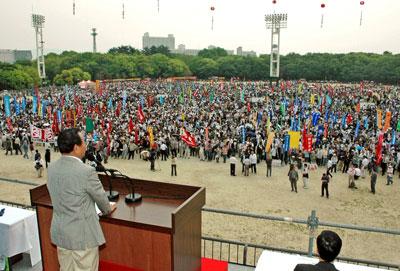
x=38, y=24
x=275, y=22
x=94, y=34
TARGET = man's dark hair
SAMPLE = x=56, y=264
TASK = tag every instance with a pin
x=67, y=139
x=329, y=245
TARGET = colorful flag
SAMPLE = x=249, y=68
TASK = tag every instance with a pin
x=188, y=139
x=7, y=106
x=357, y=128
x=271, y=137
x=287, y=142
x=130, y=125
x=140, y=115
x=379, y=119
x=379, y=149
x=387, y=121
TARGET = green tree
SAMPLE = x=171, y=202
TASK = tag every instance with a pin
x=124, y=49
x=65, y=77
x=214, y=53
x=203, y=67
x=156, y=50
x=159, y=62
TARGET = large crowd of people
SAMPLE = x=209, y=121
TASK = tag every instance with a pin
x=226, y=119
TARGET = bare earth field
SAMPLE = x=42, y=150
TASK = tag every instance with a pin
x=260, y=195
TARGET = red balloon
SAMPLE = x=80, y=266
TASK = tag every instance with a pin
x=362, y=3
x=274, y=2
x=212, y=8
x=322, y=5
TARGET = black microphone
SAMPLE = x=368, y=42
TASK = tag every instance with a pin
x=132, y=197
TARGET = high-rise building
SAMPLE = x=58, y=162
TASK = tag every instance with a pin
x=11, y=56
x=148, y=41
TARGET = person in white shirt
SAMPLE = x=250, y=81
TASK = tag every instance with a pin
x=233, y=161
x=246, y=163
x=357, y=173
x=253, y=162
x=364, y=167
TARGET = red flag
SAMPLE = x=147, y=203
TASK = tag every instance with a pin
x=195, y=94
x=140, y=115
x=117, y=111
x=304, y=137
x=349, y=119
x=37, y=94
x=244, y=78
x=104, y=109
x=248, y=105
x=188, y=139
x=10, y=126
x=96, y=109
x=358, y=108
x=102, y=125
x=130, y=125
x=326, y=130
x=56, y=130
x=379, y=149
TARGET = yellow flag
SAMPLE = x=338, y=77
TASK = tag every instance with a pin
x=183, y=116
x=294, y=139
x=40, y=111
x=267, y=100
x=312, y=99
x=271, y=137
x=150, y=131
x=379, y=119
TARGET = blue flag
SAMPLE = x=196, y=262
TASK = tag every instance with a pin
x=17, y=108
x=243, y=135
x=344, y=120
x=357, y=128
x=328, y=99
x=327, y=115
x=110, y=103
x=23, y=104
x=66, y=95
x=259, y=119
x=393, y=142
x=95, y=138
x=141, y=102
x=124, y=100
x=32, y=93
x=366, y=123
x=58, y=116
x=320, y=133
x=35, y=105
x=7, y=105
x=287, y=141
x=161, y=100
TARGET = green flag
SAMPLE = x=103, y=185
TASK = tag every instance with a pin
x=212, y=96
x=89, y=125
x=283, y=109
x=398, y=126
x=180, y=98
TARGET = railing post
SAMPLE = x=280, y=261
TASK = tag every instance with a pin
x=244, y=255
x=312, y=223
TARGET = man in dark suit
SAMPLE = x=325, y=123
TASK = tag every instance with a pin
x=328, y=246
x=74, y=189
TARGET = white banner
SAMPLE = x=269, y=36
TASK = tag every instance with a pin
x=42, y=135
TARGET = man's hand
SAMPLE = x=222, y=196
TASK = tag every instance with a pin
x=113, y=207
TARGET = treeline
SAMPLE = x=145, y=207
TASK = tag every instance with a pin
x=127, y=62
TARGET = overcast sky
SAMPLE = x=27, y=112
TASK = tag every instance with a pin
x=236, y=23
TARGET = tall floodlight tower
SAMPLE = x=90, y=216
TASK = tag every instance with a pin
x=275, y=22
x=38, y=24
x=94, y=34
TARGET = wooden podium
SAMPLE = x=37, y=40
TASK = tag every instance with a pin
x=161, y=232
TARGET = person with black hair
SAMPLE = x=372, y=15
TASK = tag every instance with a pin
x=74, y=189
x=329, y=245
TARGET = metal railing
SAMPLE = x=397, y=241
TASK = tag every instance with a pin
x=241, y=250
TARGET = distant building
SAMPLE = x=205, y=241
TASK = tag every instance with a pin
x=240, y=52
x=11, y=56
x=148, y=41
x=182, y=50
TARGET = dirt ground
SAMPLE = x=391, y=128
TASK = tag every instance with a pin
x=259, y=195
